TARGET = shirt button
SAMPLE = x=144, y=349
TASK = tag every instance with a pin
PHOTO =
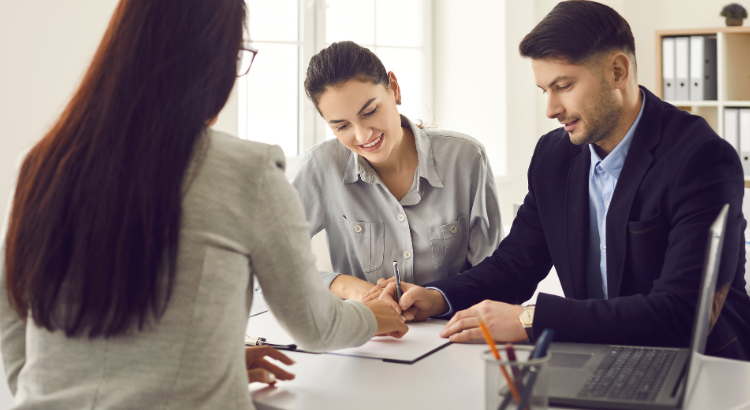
x=454, y=229
x=401, y=217
x=604, y=249
x=357, y=228
x=407, y=254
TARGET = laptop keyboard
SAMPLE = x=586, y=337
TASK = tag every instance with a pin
x=630, y=373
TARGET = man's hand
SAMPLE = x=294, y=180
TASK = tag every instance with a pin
x=261, y=370
x=501, y=319
x=377, y=290
x=417, y=303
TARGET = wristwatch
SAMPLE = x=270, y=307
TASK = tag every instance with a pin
x=527, y=320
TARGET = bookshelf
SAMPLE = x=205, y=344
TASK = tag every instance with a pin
x=733, y=73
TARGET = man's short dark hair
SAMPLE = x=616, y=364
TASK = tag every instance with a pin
x=577, y=30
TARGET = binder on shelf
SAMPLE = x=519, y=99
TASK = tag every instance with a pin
x=731, y=127
x=731, y=130
x=682, y=68
x=702, y=68
x=744, y=134
x=667, y=65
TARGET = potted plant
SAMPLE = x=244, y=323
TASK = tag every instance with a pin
x=734, y=13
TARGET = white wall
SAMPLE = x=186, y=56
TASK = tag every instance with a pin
x=45, y=48
x=469, y=73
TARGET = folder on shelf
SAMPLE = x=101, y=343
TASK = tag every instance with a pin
x=702, y=68
x=682, y=68
x=667, y=65
x=732, y=133
x=744, y=136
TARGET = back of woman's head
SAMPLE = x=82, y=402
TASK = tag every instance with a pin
x=93, y=235
x=339, y=63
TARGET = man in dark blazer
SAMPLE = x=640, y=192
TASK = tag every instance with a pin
x=620, y=201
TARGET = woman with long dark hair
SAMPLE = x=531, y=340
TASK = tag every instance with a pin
x=136, y=230
x=387, y=190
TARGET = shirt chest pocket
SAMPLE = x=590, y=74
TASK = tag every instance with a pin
x=365, y=242
x=449, y=242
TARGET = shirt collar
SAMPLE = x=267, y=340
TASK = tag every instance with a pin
x=613, y=163
x=359, y=168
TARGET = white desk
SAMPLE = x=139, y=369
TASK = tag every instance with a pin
x=452, y=378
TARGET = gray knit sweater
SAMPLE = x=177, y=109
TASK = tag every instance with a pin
x=241, y=218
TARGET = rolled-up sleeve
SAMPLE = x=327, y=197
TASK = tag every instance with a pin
x=486, y=228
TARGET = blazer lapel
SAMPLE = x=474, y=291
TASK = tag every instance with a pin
x=637, y=164
x=577, y=221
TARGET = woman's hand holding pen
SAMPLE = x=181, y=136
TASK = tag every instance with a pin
x=389, y=321
x=261, y=370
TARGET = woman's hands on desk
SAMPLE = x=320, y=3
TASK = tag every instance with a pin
x=349, y=287
x=261, y=370
x=375, y=291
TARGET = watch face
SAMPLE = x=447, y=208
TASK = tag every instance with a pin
x=527, y=316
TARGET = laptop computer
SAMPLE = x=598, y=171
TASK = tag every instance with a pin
x=636, y=377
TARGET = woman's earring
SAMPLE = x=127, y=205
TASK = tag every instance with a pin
x=398, y=102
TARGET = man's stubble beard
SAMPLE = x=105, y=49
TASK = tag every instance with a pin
x=603, y=117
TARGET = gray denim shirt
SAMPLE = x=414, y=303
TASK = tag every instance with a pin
x=447, y=222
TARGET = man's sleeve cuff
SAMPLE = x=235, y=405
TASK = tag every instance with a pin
x=450, y=311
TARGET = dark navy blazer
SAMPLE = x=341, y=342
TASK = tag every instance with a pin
x=677, y=175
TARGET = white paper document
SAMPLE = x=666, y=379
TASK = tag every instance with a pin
x=421, y=340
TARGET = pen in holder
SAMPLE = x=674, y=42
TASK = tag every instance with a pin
x=534, y=376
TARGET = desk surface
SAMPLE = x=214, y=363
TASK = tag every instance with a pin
x=452, y=378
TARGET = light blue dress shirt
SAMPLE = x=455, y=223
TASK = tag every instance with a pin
x=603, y=176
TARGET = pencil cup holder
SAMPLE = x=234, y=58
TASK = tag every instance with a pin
x=524, y=374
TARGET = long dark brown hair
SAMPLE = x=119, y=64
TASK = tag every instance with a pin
x=94, y=229
x=339, y=63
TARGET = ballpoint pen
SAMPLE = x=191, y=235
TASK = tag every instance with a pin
x=398, y=282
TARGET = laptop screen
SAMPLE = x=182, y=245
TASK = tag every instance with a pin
x=710, y=302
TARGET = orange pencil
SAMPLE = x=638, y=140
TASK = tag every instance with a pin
x=496, y=353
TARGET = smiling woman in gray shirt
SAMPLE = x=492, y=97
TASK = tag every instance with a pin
x=386, y=190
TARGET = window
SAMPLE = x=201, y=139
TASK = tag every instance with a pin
x=394, y=31
x=272, y=102
x=269, y=95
